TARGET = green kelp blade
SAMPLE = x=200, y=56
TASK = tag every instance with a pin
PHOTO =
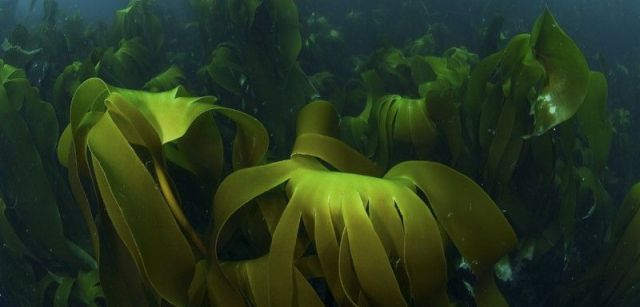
x=61, y=298
x=567, y=74
x=9, y=237
x=251, y=141
x=327, y=246
x=476, y=91
x=25, y=181
x=160, y=110
x=425, y=266
x=198, y=285
x=224, y=69
x=252, y=274
x=369, y=258
x=193, y=153
x=287, y=28
x=232, y=194
x=471, y=219
x=594, y=120
x=165, y=253
x=281, y=253
x=121, y=277
x=166, y=80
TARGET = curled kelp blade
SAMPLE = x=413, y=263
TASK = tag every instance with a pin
x=567, y=74
x=140, y=214
x=31, y=184
x=471, y=219
x=311, y=188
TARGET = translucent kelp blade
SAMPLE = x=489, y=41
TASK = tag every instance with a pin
x=169, y=113
x=161, y=110
x=281, y=253
x=370, y=260
x=567, y=74
x=232, y=194
x=326, y=243
x=252, y=275
x=317, y=117
x=472, y=220
x=425, y=262
x=165, y=253
x=200, y=150
x=316, y=128
x=387, y=222
x=64, y=146
x=336, y=153
x=348, y=278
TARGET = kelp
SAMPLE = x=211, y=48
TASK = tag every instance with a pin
x=166, y=80
x=538, y=132
x=363, y=227
x=138, y=21
x=130, y=65
x=422, y=111
x=67, y=83
x=16, y=55
x=394, y=219
x=271, y=81
x=109, y=123
x=39, y=228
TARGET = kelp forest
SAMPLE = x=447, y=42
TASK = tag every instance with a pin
x=257, y=153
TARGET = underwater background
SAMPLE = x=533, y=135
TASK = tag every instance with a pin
x=319, y=153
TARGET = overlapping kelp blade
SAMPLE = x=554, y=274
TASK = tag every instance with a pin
x=471, y=219
x=369, y=258
x=567, y=72
x=121, y=275
x=27, y=127
x=164, y=251
x=231, y=195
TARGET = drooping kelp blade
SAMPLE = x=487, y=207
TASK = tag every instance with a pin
x=567, y=74
x=594, y=120
x=370, y=223
x=29, y=175
x=130, y=193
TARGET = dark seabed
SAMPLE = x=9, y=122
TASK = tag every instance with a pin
x=319, y=153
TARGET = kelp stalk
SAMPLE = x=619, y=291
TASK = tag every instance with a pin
x=172, y=201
